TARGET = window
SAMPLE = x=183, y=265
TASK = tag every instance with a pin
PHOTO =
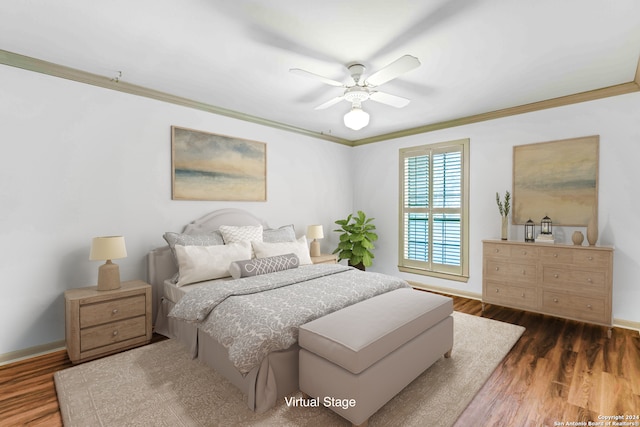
x=434, y=194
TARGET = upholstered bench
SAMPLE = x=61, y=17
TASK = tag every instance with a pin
x=356, y=359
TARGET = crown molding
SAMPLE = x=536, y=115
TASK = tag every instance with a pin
x=61, y=71
x=621, y=89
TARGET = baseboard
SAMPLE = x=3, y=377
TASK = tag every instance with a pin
x=627, y=324
x=448, y=291
x=27, y=353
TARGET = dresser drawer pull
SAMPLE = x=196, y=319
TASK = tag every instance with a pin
x=497, y=268
x=555, y=300
x=523, y=295
x=555, y=255
x=497, y=250
x=114, y=311
x=497, y=290
x=590, y=258
x=524, y=252
x=589, y=280
x=556, y=275
x=589, y=306
x=115, y=333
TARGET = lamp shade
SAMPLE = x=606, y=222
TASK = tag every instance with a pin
x=356, y=119
x=108, y=247
x=315, y=232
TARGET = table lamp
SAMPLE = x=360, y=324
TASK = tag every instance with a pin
x=105, y=249
x=315, y=232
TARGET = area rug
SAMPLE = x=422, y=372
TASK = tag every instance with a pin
x=160, y=385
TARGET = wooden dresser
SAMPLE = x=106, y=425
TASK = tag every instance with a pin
x=573, y=282
x=105, y=322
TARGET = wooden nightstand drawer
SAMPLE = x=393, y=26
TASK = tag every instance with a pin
x=110, y=333
x=324, y=259
x=109, y=311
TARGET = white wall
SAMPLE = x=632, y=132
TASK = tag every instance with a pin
x=80, y=161
x=616, y=120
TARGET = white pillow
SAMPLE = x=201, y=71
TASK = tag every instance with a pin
x=299, y=247
x=245, y=233
x=199, y=263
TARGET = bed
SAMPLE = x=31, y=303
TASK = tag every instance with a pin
x=186, y=313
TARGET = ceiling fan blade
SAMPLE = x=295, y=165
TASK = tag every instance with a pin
x=388, y=99
x=393, y=70
x=311, y=75
x=329, y=103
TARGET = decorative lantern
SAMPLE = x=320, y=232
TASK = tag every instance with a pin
x=529, y=230
x=545, y=225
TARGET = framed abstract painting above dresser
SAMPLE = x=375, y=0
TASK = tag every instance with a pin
x=572, y=282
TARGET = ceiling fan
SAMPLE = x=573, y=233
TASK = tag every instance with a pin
x=361, y=90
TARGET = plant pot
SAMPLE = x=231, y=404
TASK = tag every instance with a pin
x=359, y=266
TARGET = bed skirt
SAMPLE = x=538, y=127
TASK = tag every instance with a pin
x=264, y=385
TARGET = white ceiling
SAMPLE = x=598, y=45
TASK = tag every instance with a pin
x=477, y=55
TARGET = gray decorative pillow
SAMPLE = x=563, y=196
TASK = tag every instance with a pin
x=257, y=266
x=210, y=239
x=286, y=233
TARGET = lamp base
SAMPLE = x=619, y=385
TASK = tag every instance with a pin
x=108, y=276
x=315, y=248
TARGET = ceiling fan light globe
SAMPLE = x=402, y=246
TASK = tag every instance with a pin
x=356, y=119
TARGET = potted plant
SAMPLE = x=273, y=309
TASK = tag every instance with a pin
x=356, y=240
x=504, y=210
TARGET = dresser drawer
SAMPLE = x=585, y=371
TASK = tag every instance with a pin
x=593, y=259
x=556, y=255
x=575, y=280
x=496, y=250
x=112, y=310
x=512, y=272
x=512, y=296
x=575, y=306
x=99, y=336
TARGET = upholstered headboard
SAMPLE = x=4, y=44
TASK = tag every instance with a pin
x=160, y=263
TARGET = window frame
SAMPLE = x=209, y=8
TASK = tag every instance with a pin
x=460, y=273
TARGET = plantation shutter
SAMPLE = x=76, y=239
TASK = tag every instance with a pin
x=432, y=183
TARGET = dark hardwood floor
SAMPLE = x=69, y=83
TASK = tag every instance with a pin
x=559, y=371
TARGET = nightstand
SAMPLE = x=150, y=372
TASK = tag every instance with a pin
x=324, y=259
x=98, y=323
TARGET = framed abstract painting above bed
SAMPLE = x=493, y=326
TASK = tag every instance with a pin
x=208, y=166
x=558, y=179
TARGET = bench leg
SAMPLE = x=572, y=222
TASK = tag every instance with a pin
x=365, y=423
x=448, y=354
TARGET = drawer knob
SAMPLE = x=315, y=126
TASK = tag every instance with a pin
x=556, y=275
x=555, y=300
x=589, y=280
x=555, y=255
x=497, y=268
x=497, y=250
x=114, y=311
x=115, y=333
x=589, y=306
x=523, y=295
x=524, y=252
x=590, y=258
x=524, y=272
x=497, y=290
